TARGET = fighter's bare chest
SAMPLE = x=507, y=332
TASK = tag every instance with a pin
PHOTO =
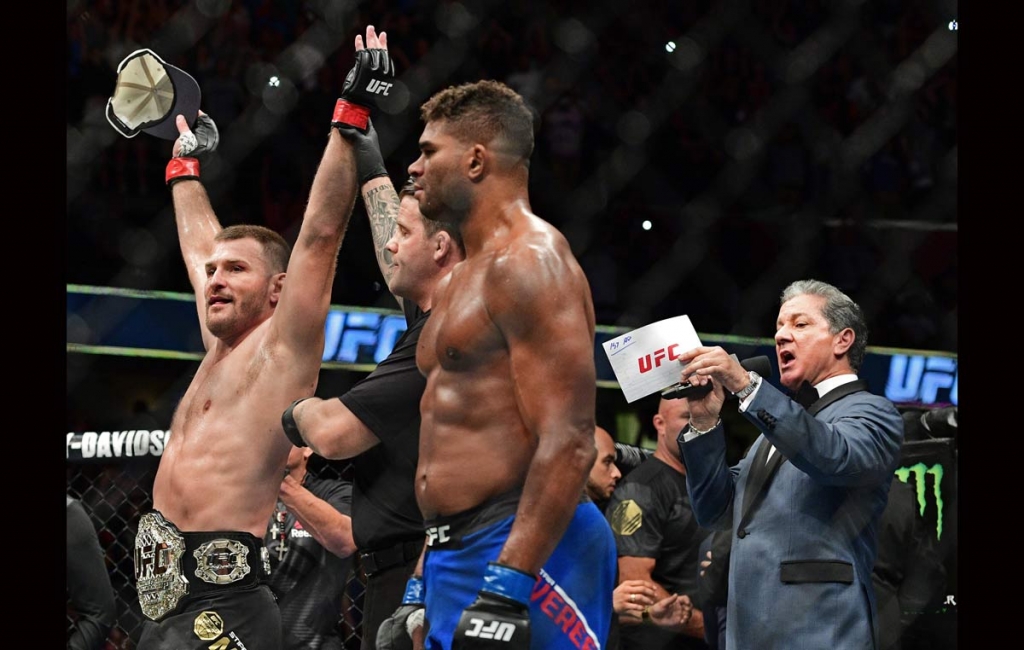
x=460, y=331
x=222, y=388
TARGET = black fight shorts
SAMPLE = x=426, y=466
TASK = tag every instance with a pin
x=246, y=619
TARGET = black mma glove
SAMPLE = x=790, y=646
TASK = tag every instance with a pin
x=195, y=145
x=367, y=82
x=395, y=632
x=369, y=161
x=291, y=430
x=500, y=616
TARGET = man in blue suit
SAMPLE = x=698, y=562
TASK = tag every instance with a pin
x=804, y=504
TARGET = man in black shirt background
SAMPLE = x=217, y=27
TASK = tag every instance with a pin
x=657, y=536
x=90, y=593
x=310, y=542
x=605, y=474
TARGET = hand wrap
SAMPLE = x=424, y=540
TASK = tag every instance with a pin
x=193, y=146
x=395, y=632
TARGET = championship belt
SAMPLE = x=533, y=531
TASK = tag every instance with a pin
x=221, y=561
x=159, y=580
x=170, y=564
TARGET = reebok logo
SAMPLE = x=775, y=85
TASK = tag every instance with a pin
x=494, y=630
x=378, y=87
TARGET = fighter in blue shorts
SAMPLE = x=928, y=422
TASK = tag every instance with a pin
x=568, y=602
x=507, y=415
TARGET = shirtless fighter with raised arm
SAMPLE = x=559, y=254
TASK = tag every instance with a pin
x=200, y=560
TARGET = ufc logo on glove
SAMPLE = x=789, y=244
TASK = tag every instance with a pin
x=378, y=87
x=494, y=630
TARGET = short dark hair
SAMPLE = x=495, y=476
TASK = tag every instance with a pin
x=840, y=312
x=276, y=250
x=431, y=226
x=482, y=111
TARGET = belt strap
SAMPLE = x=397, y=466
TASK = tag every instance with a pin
x=223, y=561
x=376, y=561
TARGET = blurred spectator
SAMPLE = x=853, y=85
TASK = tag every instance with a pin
x=562, y=132
x=309, y=538
x=527, y=79
x=657, y=535
x=788, y=165
x=90, y=595
x=885, y=181
x=909, y=575
x=223, y=93
x=615, y=69
x=917, y=318
x=605, y=474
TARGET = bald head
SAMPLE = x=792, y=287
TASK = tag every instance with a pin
x=672, y=416
x=604, y=475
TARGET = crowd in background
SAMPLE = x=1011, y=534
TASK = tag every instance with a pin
x=581, y=93
x=581, y=132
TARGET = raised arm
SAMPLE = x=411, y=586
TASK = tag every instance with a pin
x=379, y=196
x=306, y=296
x=304, y=304
x=197, y=224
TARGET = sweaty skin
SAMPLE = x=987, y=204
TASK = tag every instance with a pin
x=508, y=357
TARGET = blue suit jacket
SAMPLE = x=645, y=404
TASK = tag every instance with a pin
x=805, y=525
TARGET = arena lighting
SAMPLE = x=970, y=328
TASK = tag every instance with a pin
x=646, y=225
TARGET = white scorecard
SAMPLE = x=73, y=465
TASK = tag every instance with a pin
x=644, y=360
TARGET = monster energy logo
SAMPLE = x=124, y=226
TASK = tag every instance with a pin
x=920, y=471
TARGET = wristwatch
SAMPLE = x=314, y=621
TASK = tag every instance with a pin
x=755, y=381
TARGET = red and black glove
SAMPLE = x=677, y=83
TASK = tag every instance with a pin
x=368, y=82
x=194, y=145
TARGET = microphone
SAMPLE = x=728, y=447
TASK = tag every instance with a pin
x=761, y=365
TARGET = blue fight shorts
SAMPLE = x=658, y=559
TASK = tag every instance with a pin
x=571, y=603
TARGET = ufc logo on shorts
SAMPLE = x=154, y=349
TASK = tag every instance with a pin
x=494, y=630
x=438, y=534
x=378, y=87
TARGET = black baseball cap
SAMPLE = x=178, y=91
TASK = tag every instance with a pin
x=149, y=94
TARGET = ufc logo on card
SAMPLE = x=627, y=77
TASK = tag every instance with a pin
x=438, y=534
x=494, y=630
x=378, y=87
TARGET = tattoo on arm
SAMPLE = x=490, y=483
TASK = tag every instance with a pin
x=382, y=209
